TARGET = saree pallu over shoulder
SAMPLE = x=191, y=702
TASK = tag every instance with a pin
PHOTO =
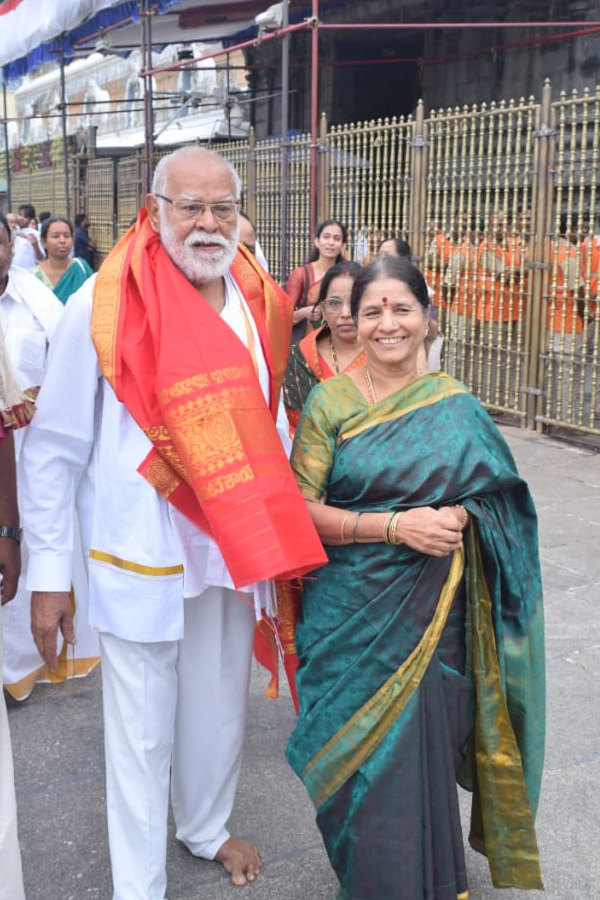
x=216, y=453
x=373, y=642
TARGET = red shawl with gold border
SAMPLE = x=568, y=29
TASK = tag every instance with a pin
x=190, y=384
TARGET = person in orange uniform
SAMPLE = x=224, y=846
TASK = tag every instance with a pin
x=458, y=292
x=436, y=259
x=564, y=322
x=498, y=309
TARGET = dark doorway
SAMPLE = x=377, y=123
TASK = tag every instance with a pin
x=375, y=74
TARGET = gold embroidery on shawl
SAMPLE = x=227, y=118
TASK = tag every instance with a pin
x=105, y=312
x=225, y=483
x=202, y=381
x=161, y=476
x=345, y=752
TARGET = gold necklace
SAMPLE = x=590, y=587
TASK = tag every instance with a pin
x=370, y=388
x=334, y=358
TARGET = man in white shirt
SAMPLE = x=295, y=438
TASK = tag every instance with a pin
x=27, y=251
x=29, y=314
x=162, y=420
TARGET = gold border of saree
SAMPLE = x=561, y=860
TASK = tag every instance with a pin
x=345, y=752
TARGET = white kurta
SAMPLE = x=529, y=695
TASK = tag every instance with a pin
x=29, y=315
x=83, y=441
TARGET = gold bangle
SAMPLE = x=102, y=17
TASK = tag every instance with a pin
x=393, y=529
x=387, y=533
x=342, y=535
x=355, y=529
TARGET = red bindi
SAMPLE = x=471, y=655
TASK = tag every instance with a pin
x=384, y=301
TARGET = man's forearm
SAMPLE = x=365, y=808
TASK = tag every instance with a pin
x=9, y=511
x=10, y=555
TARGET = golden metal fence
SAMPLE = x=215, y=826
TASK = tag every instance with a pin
x=369, y=175
x=129, y=191
x=44, y=188
x=569, y=354
x=475, y=238
x=100, y=204
x=499, y=202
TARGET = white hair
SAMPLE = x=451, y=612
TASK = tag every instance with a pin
x=159, y=181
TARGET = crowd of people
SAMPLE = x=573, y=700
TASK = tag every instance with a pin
x=192, y=439
x=482, y=272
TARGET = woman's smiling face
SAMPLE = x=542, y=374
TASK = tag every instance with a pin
x=391, y=323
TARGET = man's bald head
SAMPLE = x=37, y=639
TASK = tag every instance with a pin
x=192, y=155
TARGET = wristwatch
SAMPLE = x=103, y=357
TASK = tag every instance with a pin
x=7, y=531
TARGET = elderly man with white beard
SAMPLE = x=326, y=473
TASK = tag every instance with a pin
x=160, y=418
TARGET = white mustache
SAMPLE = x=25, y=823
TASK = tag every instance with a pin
x=202, y=237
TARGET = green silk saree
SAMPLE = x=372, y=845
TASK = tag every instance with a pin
x=417, y=672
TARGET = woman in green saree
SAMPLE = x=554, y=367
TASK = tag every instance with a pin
x=421, y=641
x=62, y=273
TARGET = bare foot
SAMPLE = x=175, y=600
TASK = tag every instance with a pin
x=240, y=859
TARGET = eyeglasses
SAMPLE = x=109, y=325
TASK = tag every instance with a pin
x=193, y=209
x=334, y=304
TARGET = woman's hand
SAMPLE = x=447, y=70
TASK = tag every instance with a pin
x=436, y=532
x=303, y=313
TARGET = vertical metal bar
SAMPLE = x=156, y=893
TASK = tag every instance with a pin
x=63, y=120
x=285, y=125
x=323, y=193
x=416, y=226
x=544, y=137
x=6, y=150
x=146, y=16
x=250, y=198
x=314, y=114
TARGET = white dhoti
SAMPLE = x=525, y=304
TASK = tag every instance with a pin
x=176, y=706
x=11, y=878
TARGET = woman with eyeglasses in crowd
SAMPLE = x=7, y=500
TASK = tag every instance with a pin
x=330, y=350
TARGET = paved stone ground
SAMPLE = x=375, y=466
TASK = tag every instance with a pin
x=57, y=737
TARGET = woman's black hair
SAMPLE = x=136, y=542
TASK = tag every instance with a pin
x=402, y=247
x=4, y=222
x=314, y=254
x=48, y=222
x=342, y=269
x=389, y=267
